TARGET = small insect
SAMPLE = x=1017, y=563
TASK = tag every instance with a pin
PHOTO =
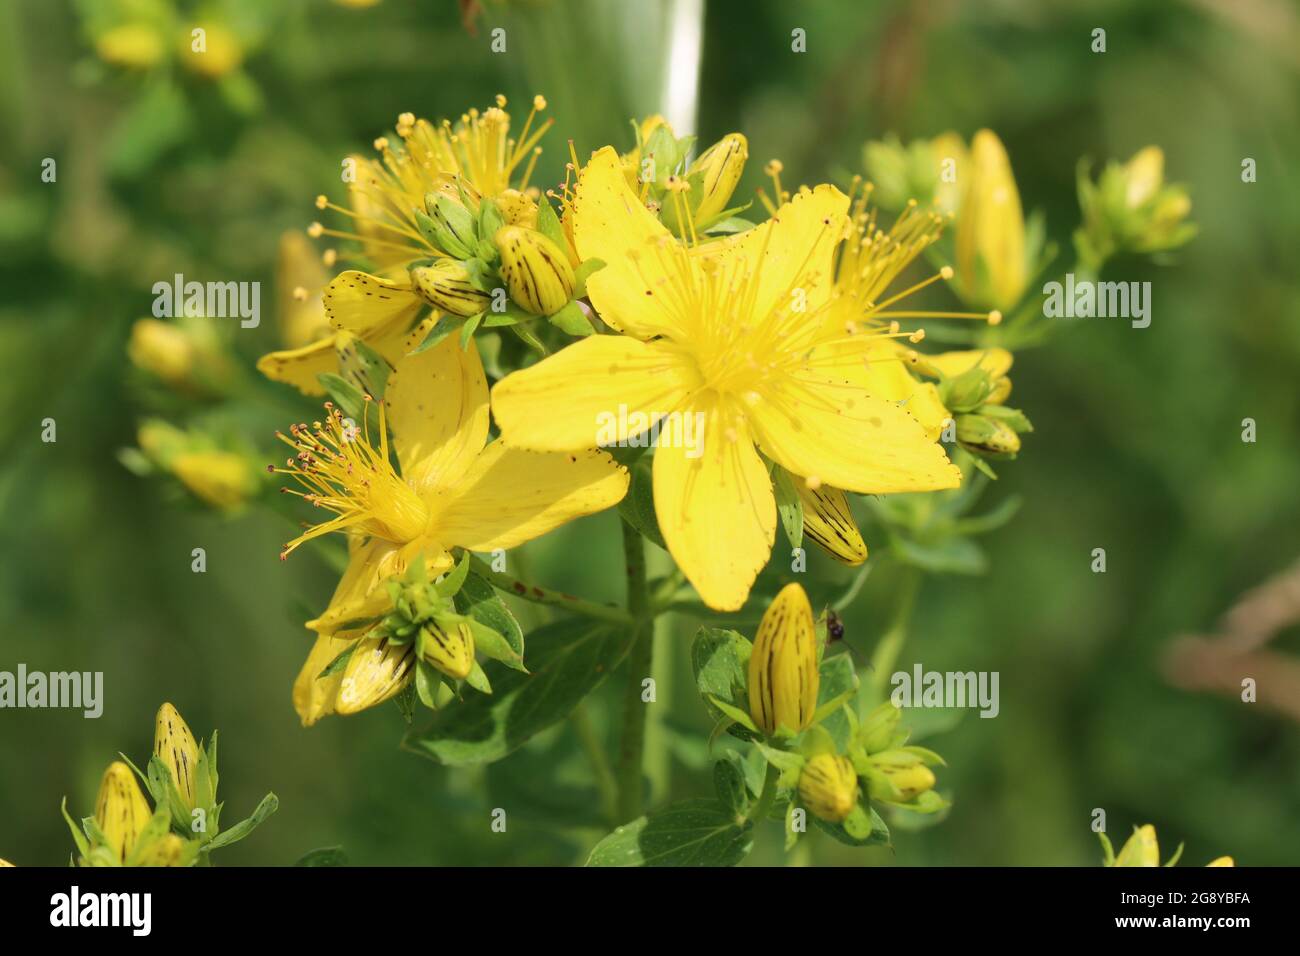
x=834, y=627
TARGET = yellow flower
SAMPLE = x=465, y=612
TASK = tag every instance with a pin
x=737, y=334
x=1221, y=861
x=5, y=863
x=992, y=267
x=176, y=747
x=121, y=810
x=221, y=53
x=162, y=349
x=783, y=678
x=452, y=491
x=476, y=153
x=828, y=787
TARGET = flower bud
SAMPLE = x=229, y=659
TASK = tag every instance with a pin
x=990, y=241
x=161, y=349
x=1141, y=849
x=536, y=271
x=987, y=436
x=517, y=209
x=449, y=649
x=176, y=748
x=377, y=671
x=910, y=781
x=449, y=224
x=722, y=165
x=783, y=678
x=4, y=863
x=168, y=850
x=221, y=53
x=136, y=46
x=121, y=809
x=829, y=522
x=446, y=285
x=828, y=787
x=876, y=732
x=1221, y=861
x=966, y=391
x=1144, y=174
x=222, y=479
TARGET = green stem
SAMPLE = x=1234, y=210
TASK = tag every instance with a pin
x=758, y=812
x=606, y=785
x=891, y=644
x=631, y=746
x=540, y=595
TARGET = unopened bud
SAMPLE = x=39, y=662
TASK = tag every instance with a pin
x=536, y=271
x=985, y=435
x=828, y=787
x=176, y=747
x=449, y=649
x=722, y=165
x=446, y=285
x=783, y=678
x=121, y=809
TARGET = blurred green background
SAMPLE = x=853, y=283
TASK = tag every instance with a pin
x=1137, y=445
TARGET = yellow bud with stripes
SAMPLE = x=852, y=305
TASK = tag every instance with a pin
x=1141, y=849
x=722, y=165
x=828, y=787
x=378, y=670
x=829, y=522
x=121, y=809
x=177, y=749
x=449, y=649
x=536, y=271
x=783, y=678
x=446, y=286
x=910, y=781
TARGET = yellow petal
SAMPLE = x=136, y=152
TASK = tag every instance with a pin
x=121, y=809
x=717, y=511
x=300, y=367
x=358, y=302
x=572, y=399
x=612, y=224
x=832, y=433
x=313, y=695
x=791, y=253
x=783, y=678
x=510, y=496
x=437, y=405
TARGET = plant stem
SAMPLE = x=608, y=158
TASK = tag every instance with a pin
x=891, y=644
x=758, y=812
x=631, y=745
x=591, y=745
x=540, y=595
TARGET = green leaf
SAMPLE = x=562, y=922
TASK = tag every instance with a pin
x=638, y=505
x=548, y=223
x=270, y=803
x=364, y=367
x=878, y=835
x=427, y=681
x=479, y=600
x=690, y=833
x=571, y=659
x=572, y=319
x=340, y=662
x=494, y=645
x=729, y=780
x=469, y=328
x=323, y=856
x=586, y=269
x=720, y=662
x=953, y=555
x=789, y=506
x=442, y=328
